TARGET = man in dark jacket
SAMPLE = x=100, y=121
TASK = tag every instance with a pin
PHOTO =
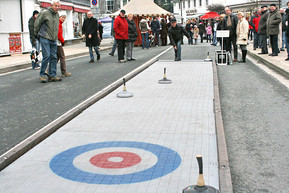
x=284, y=19
x=132, y=37
x=273, y=22
x=34, y=41
x=254, y=22
x=287, y=33
x=262, y=29
x=176, y=33
x=90, y=29
x=230, y=22
x=202, y=30
x=155, y=26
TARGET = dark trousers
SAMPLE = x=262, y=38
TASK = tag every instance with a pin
x=263, y=42
x=61, y=57
x=274, y=44
x=120, y=49
x=229, y=41
x=164, y=41
x=256, y=40
x=202, y=37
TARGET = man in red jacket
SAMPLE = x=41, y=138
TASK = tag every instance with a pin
x=255, y=24
x=60, y=51
x=120, y=26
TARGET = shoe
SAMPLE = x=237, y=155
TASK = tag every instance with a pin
x=235, y=60
x=98, y=57
x=287, y=59
x=43, y=79
x=91, y=61
x=273, y=54
x=262, y=53
x=122, y=61
x=133, y=59
x=177, y=59
x=254, y=49
x=128, y=59
x=66, y=74
x=54, y=79
x=282, y=49
x=241, y=61
x=111, y=54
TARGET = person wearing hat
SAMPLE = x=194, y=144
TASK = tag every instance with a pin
x=196, y=34
x=176, y=33
x=274, y=19
x=242, y=35
x=34, y=41
x=120, y=27
x=262, y=29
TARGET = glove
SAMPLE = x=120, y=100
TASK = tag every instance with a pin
x=62, y=44
x=34, y=44
x=244, y=39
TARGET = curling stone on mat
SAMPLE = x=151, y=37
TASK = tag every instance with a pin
x=200, y=187
x=208, y=59
x=124, y=93
x=165, y=80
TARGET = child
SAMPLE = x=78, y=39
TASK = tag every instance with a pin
x=196, y=33
x=209, y=32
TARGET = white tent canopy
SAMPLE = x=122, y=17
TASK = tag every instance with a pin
x=143, y=7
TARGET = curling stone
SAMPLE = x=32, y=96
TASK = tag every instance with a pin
x=208, y=59
x=165, y=80
x=124, y=93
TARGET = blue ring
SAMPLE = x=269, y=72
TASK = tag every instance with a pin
x=62, y=164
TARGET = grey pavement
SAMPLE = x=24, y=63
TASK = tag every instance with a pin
x=162, y=128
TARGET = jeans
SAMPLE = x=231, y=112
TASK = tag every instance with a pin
x=178, y=51
x=274, y=44
x=263, y=42
x=157, y=35
x=287, y=47
x=114, y=46
x=215, y=41
x=91, y=52
x=283, y=39
x=120, y=50
x=145, y=40
x=37, y=47
x=256, y=40
x=202, y=37
x=209, y=37
x=49, y=54
x=129, y=49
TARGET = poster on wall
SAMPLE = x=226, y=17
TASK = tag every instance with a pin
x=15, y=43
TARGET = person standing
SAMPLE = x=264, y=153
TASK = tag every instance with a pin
x=209, y=32
x=287, y=32
x=262, y=29
x=33, y=40
x=254, y=22
x=176, y=33
x=188, y=28
x=202, y=31
x=46, y=28
x=196, y=34
x=215, y=26
x=90, y=29
x=230, y=22
x=242, y=35
x=100, y=29
x=283, y=34
x=120, y=27
x=273, y=22
x=144, y=27
x=114, y=40
x=132, y=37
x=60, y=51
x=164, y=32
x=155, y=26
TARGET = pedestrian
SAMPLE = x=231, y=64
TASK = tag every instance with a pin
x=164, y=32
x=144, y=30
x=196, y=34
x=46, y=28
x=155, y=26
x=100, y=29
x=120, y=27
x=209, y=32
x=91, y=31
x=188, y=28
x=176, y=33
x=60, y=51
x=34, y=41
x=262, y=29
x=254, y=22
x=230, y=22
x=215, y=26
x=202, y=30
x=283, y=34
x=287, y=33
x=114, y=40
x=242, y=35
x=220, y=26
x=274, y=19
x=132, y=37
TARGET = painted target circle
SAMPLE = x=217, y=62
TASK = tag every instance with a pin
x=167, y=161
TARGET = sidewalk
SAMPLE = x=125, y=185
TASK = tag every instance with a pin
x=21, y=61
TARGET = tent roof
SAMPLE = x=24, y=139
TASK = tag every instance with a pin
x=143, y=7
x=210, y=15
x=107, y=19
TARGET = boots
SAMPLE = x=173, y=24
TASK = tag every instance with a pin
x=244, y=53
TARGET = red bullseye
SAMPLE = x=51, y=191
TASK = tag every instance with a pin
x=115, y=160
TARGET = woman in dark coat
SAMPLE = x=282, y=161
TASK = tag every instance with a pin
x=164, y=32
x=132, y=37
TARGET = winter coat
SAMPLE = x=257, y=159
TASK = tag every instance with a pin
x=164, y=31
x=284, y=19
x=254, y=22
x=132, y=31
x=90, y=26
x=120, y=27
x=46, y=24
x=262, y=29
x=273, y=22
x=188, y=27
x=60, y=33
x=234, y=22
x=196, y=33
x=143, y=26
x=242, y=32
x=176, y=34
x=209, y=30
x=31, y=30
x=155, y=25
x=202, y=28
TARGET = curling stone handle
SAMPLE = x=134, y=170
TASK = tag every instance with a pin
x=123, y=81
x=165, y=69
x=201, y=181
x=208, y=55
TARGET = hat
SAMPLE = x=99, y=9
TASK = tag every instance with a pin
x=264, y=6
x=173, y=20
x=35, y=12
x=273, y=4
x=122, y=11
x=195, y=26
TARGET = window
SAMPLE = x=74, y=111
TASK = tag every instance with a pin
x=109, y=5
x=184, y=4
x=0, y=13
x=207, y=2
x=195, y=3
x=200, y=3
x=189, y=4
x=180, y=5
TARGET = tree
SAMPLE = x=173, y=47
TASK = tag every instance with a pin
x=219, y=8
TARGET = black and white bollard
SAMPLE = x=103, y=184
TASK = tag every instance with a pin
x=208, y=59
x=165, y=80
x=200, y=187
x=124, y=93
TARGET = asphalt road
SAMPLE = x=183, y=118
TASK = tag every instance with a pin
x=28, y=105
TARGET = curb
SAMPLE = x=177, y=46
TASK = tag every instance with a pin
x=269, y=64
x=28, y=64
x=225, y=178
x=30, y=142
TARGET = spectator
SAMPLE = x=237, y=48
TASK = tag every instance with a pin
x=90, y=29
x=202, y=31
x=164, y=32
x=155, y=25
x=46, y=27
x=120, y=27
x=114, y=40
x=196, y=34
x=188, y=28
x=230, y=22
x=254, y=22
x=60, y=51
x=132, y=37
x=100, y=28
x=144, y=27
x=220, y=26
x=262, y=29
x=34, y=41
x=209, y=32
x=215, y=26
x=242, y=35
x=176, y=33
x=273, y=22
x=283, y=34
x=287, y=33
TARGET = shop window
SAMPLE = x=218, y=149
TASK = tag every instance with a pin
x=189, y=4
x=200, y=3
x=184, y=4
x=109, y=5
x=195, y=3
